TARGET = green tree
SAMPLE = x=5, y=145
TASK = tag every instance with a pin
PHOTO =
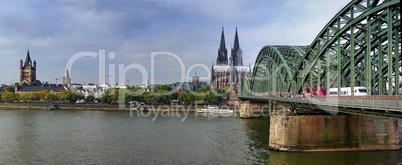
x=217, y=90
x=106, y=97
x=23, y=97
x=212, y=97
x=182, y=98
x=36, y=96
x=10, y=89
x=122, y=93
x=116, y=95
x=133, y=95
x=43, y=93
x=62, y=96
x=50, y=97
x=164, y=88
x=148, y=97
x=89, y=98
x=8, y=96
x=201, y=95
x=187, y=98
x=69, y=96
x=17, y=97
x=77, y=96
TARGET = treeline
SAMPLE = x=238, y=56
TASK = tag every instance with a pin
x=40, y=96
x=127, y=95
x=160, y=95
x=200, y=96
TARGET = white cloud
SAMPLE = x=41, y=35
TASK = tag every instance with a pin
x=55, y=31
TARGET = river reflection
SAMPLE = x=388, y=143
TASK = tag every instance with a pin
x=113, y=137
x=258, y=138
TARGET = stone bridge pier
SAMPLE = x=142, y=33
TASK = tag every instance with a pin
x=255, y=109
x=309, y=133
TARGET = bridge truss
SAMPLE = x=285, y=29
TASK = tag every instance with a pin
x=359, y=46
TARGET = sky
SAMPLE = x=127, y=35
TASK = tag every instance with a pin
x=162, y=41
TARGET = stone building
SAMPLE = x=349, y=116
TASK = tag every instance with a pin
x=229, y=73
x=28, y=82
x=28, y=72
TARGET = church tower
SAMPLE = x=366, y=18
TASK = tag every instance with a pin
x=236, y=53
x=27, y=71
x=222, y=52
x=67, y=79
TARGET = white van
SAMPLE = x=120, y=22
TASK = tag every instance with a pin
x=347, y=91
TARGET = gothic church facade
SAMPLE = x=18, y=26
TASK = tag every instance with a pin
x=228, y=73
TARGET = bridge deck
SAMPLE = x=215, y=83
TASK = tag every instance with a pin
x=392, y=105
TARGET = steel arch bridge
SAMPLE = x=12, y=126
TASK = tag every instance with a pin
x=359, y=46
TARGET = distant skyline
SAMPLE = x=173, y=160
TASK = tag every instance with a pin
x=55, y=31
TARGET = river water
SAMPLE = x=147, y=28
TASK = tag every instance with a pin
x=113, y=137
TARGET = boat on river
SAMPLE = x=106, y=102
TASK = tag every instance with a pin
x=208, y=109
x=51, y=106
x=215, y=110
x=136, y=106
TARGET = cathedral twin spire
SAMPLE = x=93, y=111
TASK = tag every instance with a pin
x=222, y=51
x=236, y=53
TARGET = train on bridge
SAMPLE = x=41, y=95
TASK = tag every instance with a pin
x=345, y=91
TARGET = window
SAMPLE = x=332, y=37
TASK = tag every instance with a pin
x=363, y=90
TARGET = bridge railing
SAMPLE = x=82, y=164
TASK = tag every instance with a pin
x=387, y=103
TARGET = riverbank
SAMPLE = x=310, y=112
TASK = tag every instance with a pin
x=71, y=106
x=100, y=106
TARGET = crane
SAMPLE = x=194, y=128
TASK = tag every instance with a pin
x=58, y=79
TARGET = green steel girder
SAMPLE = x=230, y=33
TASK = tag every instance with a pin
x=275, y=62
x=361, y=55
x=359, y=46
x=313, y=57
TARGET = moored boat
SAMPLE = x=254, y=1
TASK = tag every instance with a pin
x=52, y=106
x=207, y=110
x=215, y=110
x=135, y=106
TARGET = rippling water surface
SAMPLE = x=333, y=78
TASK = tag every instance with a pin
x=113, y=137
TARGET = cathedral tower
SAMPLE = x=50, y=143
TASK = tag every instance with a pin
x=236, y=53
x=222, y=52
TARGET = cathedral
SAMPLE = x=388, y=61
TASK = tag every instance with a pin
x=229, y=73
x=28, y=72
